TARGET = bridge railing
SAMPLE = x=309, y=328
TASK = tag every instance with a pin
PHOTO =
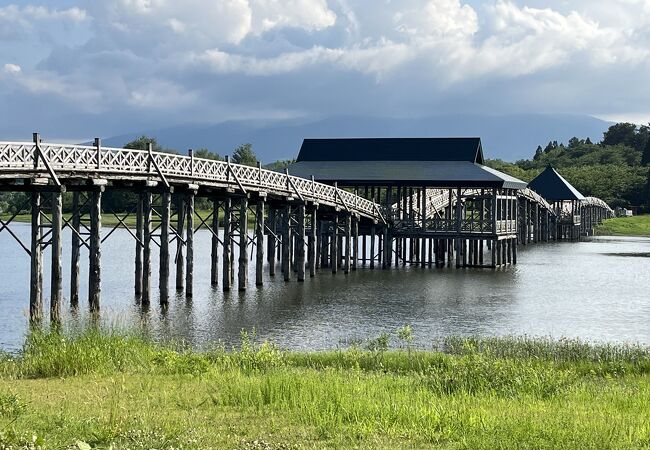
x=80, y=160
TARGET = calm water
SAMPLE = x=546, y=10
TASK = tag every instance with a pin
x=598, y=290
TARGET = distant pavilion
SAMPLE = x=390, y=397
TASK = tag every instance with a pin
x=565, y=199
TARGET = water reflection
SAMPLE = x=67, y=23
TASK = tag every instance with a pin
x=574, y=290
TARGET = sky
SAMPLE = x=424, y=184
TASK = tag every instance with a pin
x=84, y=68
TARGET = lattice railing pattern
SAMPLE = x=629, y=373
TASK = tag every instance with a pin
x=79, y=159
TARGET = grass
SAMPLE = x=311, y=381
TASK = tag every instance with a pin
x=625, y=226
x=106, y=389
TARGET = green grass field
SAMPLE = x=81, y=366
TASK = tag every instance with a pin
x=625, y=226
x=112, y=390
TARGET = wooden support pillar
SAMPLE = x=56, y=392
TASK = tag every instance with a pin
x=75, y=251
x=36, y=271
x=214, y=250
x=493, y=249
x=286, y=243
x=180, y=244
x=373, y=237
x=94, y=278
x=300, y=243
x=227, y=248
x=242, y=273
x=146, y=252
x=334, y=253
x=272, y=240
x=355, y=242
x=259, y=241
x=312, y=257
x=163, y=268
x=348, y=243
x=514, y=251
x=56, y=281
x=189, y=270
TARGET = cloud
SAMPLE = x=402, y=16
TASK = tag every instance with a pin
x=208, y=60
x=12, y=69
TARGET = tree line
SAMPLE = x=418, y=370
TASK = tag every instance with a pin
x=616, y=169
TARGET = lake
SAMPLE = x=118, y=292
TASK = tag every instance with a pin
x=595, y=290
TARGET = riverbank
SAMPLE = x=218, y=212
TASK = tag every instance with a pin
x=625, y=226
x=109, y=389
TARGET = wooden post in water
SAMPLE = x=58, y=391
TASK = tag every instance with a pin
x=348, y=243
x=36, y=271
x=139, y=234
x=300, y=243
x=373, y=238
x=146, y=259
x=355, y=242
x=242, y=273
x=75, y=251
x=94, y=282
x=56, y=286
x=334, y=252
x=163, y=268
x=214, y=250
x=272, y=241
x=227, y=238
x=189, y=267
x=180, y=244
x=259, y=241
x=286, y=243
x=312, y=257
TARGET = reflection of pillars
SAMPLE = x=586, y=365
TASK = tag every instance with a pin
x=180, y=245
x=75, y=252
x=189, y=271
x=227, y=218
x=139, y=234
x=146, y=261
x=163, y=268
x=514, y=251
x=36, y=286
x=312, y=257
x=259, y=241
x=300, y=243
x=242, y=275
x=94, y=279
x=56, y=273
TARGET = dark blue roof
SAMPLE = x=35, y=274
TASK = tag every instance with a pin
x=392, y=149
x=553, y=187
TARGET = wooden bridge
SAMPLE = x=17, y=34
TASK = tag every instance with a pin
x=300, y=223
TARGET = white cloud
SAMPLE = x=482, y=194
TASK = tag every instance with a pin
x=12, y=69
x=330, y=56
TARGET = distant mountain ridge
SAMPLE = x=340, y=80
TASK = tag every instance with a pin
x=508, y=137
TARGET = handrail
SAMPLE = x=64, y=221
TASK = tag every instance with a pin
x=75, y=160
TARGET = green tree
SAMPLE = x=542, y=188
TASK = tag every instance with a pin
x=279, y=165
x=207, y=154
x=538, y=153
x=244, y=155
x=621, y=133
x=142, y=142
x=645, y=159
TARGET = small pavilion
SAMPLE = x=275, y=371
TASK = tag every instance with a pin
x=564, y=198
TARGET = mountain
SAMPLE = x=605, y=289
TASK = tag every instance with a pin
x=508, y=137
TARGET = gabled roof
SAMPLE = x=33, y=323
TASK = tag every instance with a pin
x=392, y=149
x=553, y=187
x=406, y=173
